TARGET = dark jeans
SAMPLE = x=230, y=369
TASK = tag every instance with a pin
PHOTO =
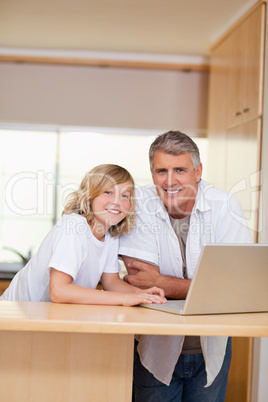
x=187, y=384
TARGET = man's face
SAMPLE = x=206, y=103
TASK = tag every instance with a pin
x=176, y=182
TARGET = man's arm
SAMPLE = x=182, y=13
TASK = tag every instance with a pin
x=144, y=275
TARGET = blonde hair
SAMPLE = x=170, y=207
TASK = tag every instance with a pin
x=95, y=182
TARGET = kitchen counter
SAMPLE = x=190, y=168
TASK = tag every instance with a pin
x=52, y=317
x=78, y=352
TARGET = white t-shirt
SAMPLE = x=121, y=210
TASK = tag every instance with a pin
x=70, y=247
x=217, y=217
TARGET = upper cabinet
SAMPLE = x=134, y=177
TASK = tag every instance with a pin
x=245, y=68
x=235, y=111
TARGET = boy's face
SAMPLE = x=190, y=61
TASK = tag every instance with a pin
x=176, y=182
x=112, y=206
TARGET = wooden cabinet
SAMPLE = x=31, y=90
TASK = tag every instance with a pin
x=234, y=132
x=3, y=285
x=235, y=111
x=239, y=382
x=245, y=68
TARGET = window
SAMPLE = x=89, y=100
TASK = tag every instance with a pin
x=39, y=168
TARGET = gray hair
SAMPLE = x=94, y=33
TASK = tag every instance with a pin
x=175, y=143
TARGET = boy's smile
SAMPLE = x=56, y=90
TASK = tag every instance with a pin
x=111, y=207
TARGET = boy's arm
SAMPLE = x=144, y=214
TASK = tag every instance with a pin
x=62, y=290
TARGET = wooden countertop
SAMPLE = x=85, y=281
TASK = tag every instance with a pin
x=50, y=317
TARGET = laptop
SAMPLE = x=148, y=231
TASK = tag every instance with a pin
x=229, y=278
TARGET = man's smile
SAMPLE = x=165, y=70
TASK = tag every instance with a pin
x=176, y=191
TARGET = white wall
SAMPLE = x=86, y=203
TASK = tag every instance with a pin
x=111, y=97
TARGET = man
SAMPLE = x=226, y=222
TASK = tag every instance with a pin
x=175, y=218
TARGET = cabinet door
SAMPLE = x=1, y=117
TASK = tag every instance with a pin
x=234, y=86
x=253, y=64
x=243, y=167
x=239, y=382
x=245, y=65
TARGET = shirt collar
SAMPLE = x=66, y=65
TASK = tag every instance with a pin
x=201, y=203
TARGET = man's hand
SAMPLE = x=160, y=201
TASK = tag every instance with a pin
x=144, y=275
x=141, y=274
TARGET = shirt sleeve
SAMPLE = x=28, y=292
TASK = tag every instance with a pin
x=141, y=242
x=68, y=251
x=112, y=263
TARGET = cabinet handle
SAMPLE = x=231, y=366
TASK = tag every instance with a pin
x=239, y=112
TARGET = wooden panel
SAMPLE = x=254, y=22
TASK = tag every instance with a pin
x=3, y=285
x=229, y=31
x=89, y=354
x=68, y=61
x=74, y=318
x=239, y=384
x=246, y=68
x=254, y=63
x=235, y=76
x=236, y=84
x=235, y=110
x=65, y=367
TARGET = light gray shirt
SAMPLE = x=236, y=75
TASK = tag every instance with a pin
x=217, y=217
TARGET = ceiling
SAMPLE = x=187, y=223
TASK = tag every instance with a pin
x=144, y=26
